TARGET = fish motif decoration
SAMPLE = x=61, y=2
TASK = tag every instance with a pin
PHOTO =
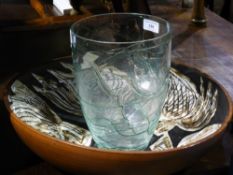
x=35, y=112
x=39, y=105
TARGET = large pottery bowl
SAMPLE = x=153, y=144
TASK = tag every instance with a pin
x=178, y=147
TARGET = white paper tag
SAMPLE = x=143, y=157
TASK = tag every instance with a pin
x=150, y=25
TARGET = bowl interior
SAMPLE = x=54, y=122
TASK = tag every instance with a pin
x=48, y=88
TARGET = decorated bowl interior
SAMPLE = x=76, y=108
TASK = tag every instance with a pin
x=45, y=100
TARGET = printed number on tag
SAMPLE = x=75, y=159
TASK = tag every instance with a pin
x=150, y=25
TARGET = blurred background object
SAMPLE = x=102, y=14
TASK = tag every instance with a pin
x=227, y=10
x=76, y=4
x=209, y=4
x=187, y=3
x=223, y=8
x=138, y=6
x=198, y=14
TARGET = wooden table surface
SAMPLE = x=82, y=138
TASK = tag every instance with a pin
x=209, y=49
